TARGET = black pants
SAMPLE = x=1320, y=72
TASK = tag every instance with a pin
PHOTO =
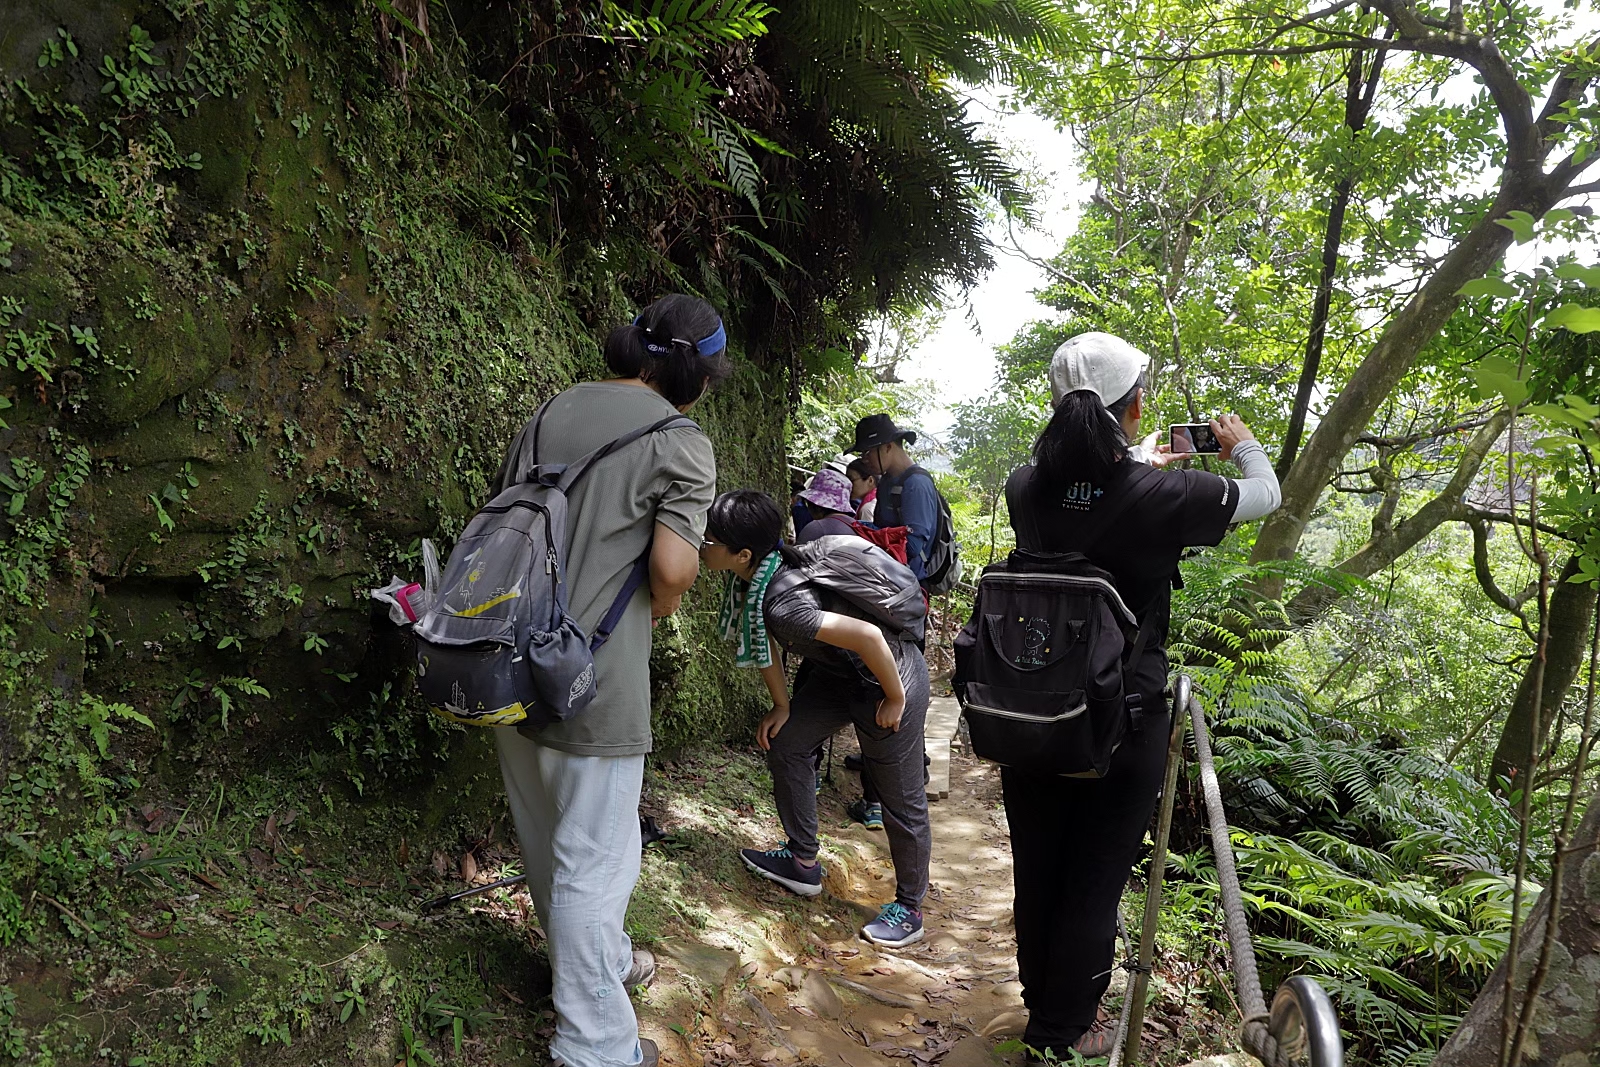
x=1073, y=843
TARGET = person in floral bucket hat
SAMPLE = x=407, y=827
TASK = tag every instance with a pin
x=828, y=500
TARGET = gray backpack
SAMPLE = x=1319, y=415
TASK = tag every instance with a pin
x=864, y=575
x=498, y=648
x=944, y=551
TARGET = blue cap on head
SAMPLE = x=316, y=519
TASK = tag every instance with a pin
x=710, y=345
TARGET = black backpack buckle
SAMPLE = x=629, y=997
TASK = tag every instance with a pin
x=1135, y=703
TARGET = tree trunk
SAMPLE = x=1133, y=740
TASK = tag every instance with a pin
x=1566, y=1022
x=1571, y=611
x=1390, y=357
x=1357, y=105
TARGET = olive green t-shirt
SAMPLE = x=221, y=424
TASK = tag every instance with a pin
x=668, y=477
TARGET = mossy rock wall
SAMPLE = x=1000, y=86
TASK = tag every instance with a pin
x=269, y=322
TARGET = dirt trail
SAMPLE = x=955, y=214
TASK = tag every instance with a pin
x=843, y=1002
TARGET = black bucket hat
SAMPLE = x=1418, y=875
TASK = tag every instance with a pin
x=875, y=430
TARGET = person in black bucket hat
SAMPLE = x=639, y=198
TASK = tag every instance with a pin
x=875, y=430
x=906, y=493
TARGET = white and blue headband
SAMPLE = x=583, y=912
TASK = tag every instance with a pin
x=710, y=345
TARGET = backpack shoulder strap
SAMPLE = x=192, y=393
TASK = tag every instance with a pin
x=578, y=468
x=533, y=432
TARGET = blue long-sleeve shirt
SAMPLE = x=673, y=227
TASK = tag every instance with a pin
x=912, y=501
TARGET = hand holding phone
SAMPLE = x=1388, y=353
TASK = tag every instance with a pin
x=1194, y=439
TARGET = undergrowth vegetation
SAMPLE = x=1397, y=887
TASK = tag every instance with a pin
x=1366, y=857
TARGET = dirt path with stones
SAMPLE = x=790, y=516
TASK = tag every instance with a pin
x=842, y=1002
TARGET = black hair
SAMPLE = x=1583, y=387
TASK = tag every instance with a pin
x=1083, y=441
x=858, y=467
x=746, y=518
x=660, y=348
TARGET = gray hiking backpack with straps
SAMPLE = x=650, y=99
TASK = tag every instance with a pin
x=498, y=647
x=863, y=574
x=944, y=551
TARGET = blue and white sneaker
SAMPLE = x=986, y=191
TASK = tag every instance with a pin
x=896, y=926
x=779, y=865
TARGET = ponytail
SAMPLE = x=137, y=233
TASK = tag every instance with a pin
x=1083, y=441
x=663, y=347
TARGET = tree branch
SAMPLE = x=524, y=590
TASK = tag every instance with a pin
x=1388, y=545
x=1485, y=574
x=1491, y=515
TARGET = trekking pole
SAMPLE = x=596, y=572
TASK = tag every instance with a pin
x=1157, y=876
x=439, y=902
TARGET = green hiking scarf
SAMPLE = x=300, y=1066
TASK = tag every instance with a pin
x=743, y=621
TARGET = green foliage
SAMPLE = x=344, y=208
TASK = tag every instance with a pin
x=1366, y=860
x=12, y=1037
x=824, y=423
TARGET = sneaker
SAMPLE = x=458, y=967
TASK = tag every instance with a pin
x=1098, y=1039
x=642, y=971
x=869, y=815
x=896, y=926
x=779, y=865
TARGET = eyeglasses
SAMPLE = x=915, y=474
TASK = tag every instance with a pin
x=706, y=542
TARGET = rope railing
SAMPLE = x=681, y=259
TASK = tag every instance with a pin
x=1301, y=1029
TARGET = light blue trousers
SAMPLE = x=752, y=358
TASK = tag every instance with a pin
x=577, y=820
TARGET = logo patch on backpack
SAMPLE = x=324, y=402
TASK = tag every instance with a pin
x=1033, y=650
x=580, y=685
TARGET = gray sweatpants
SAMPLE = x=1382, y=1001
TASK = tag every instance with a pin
x=823, y=703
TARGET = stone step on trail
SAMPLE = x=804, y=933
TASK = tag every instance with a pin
x=943, y=719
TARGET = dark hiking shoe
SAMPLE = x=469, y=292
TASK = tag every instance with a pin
x=852, y=762
x=642, y=972
x=896, y=926
x=869, y=815
x=779, y=865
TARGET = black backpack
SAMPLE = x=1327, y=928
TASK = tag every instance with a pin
x=498, y=647
x=1044, y=664
x=861, y=573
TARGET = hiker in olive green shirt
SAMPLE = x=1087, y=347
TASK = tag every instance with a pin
x=574, y=786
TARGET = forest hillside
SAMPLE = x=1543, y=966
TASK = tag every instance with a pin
x=279, y=280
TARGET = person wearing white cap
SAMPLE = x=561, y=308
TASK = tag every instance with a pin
x=1074, y=840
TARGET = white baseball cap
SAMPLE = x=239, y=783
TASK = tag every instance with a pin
x=1102, y=363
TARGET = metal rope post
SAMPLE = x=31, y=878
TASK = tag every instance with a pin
x=1154, y=882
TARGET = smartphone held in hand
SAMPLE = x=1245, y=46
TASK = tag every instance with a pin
x=1194, y=439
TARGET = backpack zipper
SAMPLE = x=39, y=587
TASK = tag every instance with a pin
x=1023, y=716
x=503, y=508
x=549, y=535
